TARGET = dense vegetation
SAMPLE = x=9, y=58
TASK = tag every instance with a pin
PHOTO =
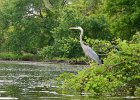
x=39, y=30
x=119, y=75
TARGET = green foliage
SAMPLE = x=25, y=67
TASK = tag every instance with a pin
x=32, y=34
x=73, y=15
x=123, y=17
x=68, y=17
x=124, y=62
x=23, y=29
x=91, y=80
x=28, y=28
x=65, y=48
x=101, y=47
x=15, y=56
x=96, y=27
x=30, y=57
x=137, y=91
x=120, y=72
x=136, y=38
x=9, y=56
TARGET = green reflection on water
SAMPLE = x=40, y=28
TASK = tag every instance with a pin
x=31, y=82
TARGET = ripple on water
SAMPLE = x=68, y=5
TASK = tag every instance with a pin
x=8, y=98
x=31, y=80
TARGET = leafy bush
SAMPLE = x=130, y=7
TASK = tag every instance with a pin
x=15, y=56
x=91, y=80
x=120, y=73
x=125, y=64
x=9, y=56
x=65, y=48
x=136, y=38
x=30, y=57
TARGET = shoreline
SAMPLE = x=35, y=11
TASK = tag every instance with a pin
x=39, y=62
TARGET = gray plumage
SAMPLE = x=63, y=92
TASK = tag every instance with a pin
x=87, y=50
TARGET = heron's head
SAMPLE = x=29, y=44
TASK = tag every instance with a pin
x=78, y=28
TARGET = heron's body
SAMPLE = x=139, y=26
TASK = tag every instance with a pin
x=91, y=54
x=87, y=50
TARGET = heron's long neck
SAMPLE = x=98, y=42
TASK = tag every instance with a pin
x=81, y=35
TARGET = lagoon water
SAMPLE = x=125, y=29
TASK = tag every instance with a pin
x=36, y=81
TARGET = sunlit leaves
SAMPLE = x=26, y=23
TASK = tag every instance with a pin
x=123, y=17
x=125, y=63
x=118, y=74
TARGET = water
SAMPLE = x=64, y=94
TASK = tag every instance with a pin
x=36, y=81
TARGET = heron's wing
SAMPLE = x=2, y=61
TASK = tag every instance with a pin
x=90, y=53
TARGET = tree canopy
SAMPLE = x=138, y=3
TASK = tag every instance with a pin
x=31, y=25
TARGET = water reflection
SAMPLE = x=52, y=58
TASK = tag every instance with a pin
x=35, y=81
x=31, y=81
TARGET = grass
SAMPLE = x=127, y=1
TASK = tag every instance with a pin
x=24, y=57
x=9, y=56
x=32, y=57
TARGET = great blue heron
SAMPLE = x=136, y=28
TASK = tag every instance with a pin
x=87, y=50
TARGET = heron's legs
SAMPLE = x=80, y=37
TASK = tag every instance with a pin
x=87, y=61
